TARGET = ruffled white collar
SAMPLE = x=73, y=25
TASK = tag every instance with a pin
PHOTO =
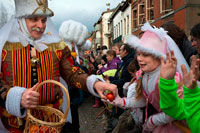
x=16, y=35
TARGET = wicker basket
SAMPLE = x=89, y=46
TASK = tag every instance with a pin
x=44, y=119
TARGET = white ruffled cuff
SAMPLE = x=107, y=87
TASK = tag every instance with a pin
x=90, y=83
x=13, y=101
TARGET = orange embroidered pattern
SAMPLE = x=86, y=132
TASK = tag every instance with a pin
x=4, y=54
x=78, y=85
x=74, y=69
x=59, y=54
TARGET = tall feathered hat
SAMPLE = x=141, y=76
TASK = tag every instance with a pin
x=31, y=8
x=73, y=32
x=153, y=41
x=156, y=42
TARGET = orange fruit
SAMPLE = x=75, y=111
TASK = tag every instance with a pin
x=110, y=97
x=34, y=129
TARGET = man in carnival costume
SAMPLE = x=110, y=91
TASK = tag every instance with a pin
x=77, y=44
x=32, y=52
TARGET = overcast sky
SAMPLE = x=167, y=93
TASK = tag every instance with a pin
x=84, y=11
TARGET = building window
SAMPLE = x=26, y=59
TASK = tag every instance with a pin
x=149, y=10
x=127, y=24
x=141, y=14
x=108, y=24
x=135, y=16
x=166, y=6
x=114, y=32
x=117, y=30
x=121, y=27
x=124, y=26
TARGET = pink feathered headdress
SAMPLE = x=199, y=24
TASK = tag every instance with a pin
x=155, y=41
x=152, y=41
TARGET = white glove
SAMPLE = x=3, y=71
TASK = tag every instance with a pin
x=73, y=31
x=118, y=101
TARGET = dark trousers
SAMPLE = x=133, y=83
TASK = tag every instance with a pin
x=74, y=126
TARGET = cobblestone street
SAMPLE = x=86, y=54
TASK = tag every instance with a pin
x=87, y=116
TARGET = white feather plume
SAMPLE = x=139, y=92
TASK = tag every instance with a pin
x=86, y=46
x=73, y=31
x=159, y=31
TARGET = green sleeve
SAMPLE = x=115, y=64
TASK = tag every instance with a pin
x=169, y=100
x=192, y=108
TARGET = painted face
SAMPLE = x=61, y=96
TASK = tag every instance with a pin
x=196, y=43
x=147, y=62
x=109, y=58
x=36, y=26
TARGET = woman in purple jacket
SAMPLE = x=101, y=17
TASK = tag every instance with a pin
x=113, y=62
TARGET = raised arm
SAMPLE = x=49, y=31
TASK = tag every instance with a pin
x=192, y=95
x=169, y=100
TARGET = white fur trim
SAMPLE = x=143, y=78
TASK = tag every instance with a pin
x=13, y=101
x=133, y=41
x=73, y=31
x=90, y=83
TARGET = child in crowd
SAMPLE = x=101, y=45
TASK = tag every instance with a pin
x=130, y=120
x=170, y=103
x=153, y=45
x=113, y=62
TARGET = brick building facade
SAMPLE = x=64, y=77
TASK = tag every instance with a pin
x=183, y=13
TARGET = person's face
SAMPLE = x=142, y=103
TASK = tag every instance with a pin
x=147, y=62
x=109, y=58
x=196, y=43
x=116, y=49
x=122, y=52
x=36, y=26
x=103, y=62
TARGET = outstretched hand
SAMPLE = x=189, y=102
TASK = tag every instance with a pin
x=168, y=67
x=101, y=87
x=30, y=97
x=118, y=101
x=190, y=78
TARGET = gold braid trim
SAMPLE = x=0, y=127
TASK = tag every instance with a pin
x=42, y=5
x=9, y=46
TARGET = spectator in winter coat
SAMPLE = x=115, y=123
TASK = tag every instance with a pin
x=122, y=75
x=113, y=62
x=195, y=35
x=181, y=40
